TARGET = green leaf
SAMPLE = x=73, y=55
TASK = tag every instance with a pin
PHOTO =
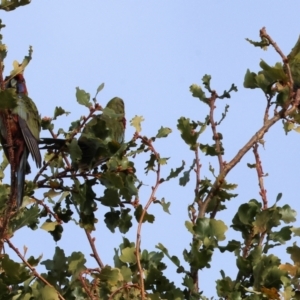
x=173, y=258
x=15, y=273
x=226, y=94
x=49, y=226
x=206, y=82
x=264, y=43
x=295, y=230
x=11, y=5
x=110, y=198
x=112, y=219
x=163, y=161
x=174, y=174
x=211, y=150
x=225, y=287
x=186, y=175
x=279, y=196
x=76, y=264
x=49, y=293
x=281, y=236
x=163, y=132
x=198, y=259
x=99, y=89
x=136, y=123
x=28, y=217
x=128, y=255
x=150, y=163
x=210, y=229
x=275, y=73
x=198, y=93
x=294, y=251
x=83, y=97
x=189, y=226
x=59, y=111
x=125, y=221
x=231, y=246
x=164, y=205
x=34, y=261
x=126, y=273
x=250, y=80
x=147, y=217
x=266, y=220
x=109, y=275
x=188, y=134
x=288, y=215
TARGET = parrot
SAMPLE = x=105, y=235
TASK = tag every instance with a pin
x=295, y=70
x=25, y=125
x=100, y=138
x=102, y=135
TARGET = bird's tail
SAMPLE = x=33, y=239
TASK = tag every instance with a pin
x=20, y=177
x=51, y=143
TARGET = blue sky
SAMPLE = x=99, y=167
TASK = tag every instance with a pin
x=149, y=53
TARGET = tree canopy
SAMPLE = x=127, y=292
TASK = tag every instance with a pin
x=71, y=196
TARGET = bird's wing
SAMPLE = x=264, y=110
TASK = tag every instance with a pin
x=29, y=122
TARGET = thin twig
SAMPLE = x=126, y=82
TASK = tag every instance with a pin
x=48, y=210
x=151, y=199
x=198, y=181
x=216, y=137
x=84, y=285
x=260, y=175
x=95, y=253
x=92, y=243
x=266, y=114
x=33, y=270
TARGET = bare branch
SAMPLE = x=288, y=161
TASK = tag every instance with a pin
x=260, y=175
x=266, y=115
x=48, y=210
x=95, y=253
x=216, y=137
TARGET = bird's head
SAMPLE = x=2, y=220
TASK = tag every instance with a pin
x=18, y=82
x=117, y=104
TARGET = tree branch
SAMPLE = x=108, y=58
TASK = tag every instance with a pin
x=33, y=270
x=228, y=167
x=95, y=253
x=151, y=199
x=260, y=175
x=263, y=34
x=216, y=137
